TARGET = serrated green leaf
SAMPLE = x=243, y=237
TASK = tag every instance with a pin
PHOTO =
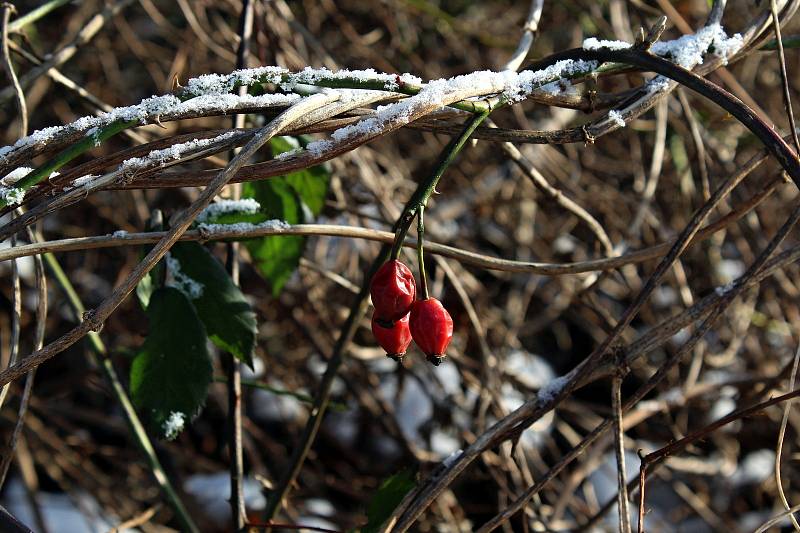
x=226, y=313
x=172, y=370
x=389, y=495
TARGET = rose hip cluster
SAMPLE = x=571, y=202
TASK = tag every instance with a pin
x=400, y=317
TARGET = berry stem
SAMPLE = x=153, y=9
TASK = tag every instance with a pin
x=424, y=191
x=420, y=253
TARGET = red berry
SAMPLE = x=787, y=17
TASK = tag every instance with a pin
x=393, y=290
x=431, y=328
x=393, y=337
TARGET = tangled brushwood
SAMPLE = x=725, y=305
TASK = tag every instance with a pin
x=582, y=213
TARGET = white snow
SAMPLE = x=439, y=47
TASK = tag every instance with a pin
x=12, y=195
x=616, y=117
x=174, y=152
x=243, y=226
x=552, y=389
x=212, y=492
x=119, y=233
x=15, y=175
x=173, y=425
x=755, y=467
x=593, y=43
x=246, y=206
x=688, y=50
x=83, y=180
x=177, y=279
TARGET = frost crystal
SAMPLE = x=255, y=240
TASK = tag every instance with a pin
x=241, y=227
x=83, y=180
x=173, y=425
x=616, y=117
x=552, y=389
x=688, y=51
x=177, y=279
x=592, y=43
x=174, y=152
x=247, y=206
x=12, y=195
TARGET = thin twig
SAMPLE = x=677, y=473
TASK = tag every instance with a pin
x=787, y=97
x=781, y=437
x=137, y=428
x=38, y=342
x=234, y=382
x=619, y=448
x=417, y=200
x=7, y=10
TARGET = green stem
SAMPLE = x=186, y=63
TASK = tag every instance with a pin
x=137, y=429
x=420, y=254
x=357, y=311
x=424, y=191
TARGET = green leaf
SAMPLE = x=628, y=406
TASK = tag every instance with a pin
x=389, y=495
x=144, y=289
x=282, y=197
x=311, y=184
x=228, y=317
x=276, y=257
x=172, y=370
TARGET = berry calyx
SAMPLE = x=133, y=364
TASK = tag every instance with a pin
x=431, y=328
x=394, y=337
x=393, y=290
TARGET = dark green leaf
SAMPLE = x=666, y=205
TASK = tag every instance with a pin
x=228, y=317
x=282, y=198
x=171, y=373
x=311, y=184
x=388, y=497
x=276, y=257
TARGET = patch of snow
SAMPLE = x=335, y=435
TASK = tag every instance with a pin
x=552, y=389
x=119, y=233
x=83, y=180
x=755, y=467
x=592, y=43
x=177, y=279
x=444, y=444
x=173, y=425
x=729, y=269
x=246, y=206
x=413, y=407
x=616, y=117
x=212, y=492
x=174, y=152
x=688, y=50
x=12, y=195
x=15, y=175
x=243, y=226
x=77, y=512
x=529, y=369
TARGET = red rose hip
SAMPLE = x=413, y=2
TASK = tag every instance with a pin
x=393, y=337
x=393, y=290
x=431, y=328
